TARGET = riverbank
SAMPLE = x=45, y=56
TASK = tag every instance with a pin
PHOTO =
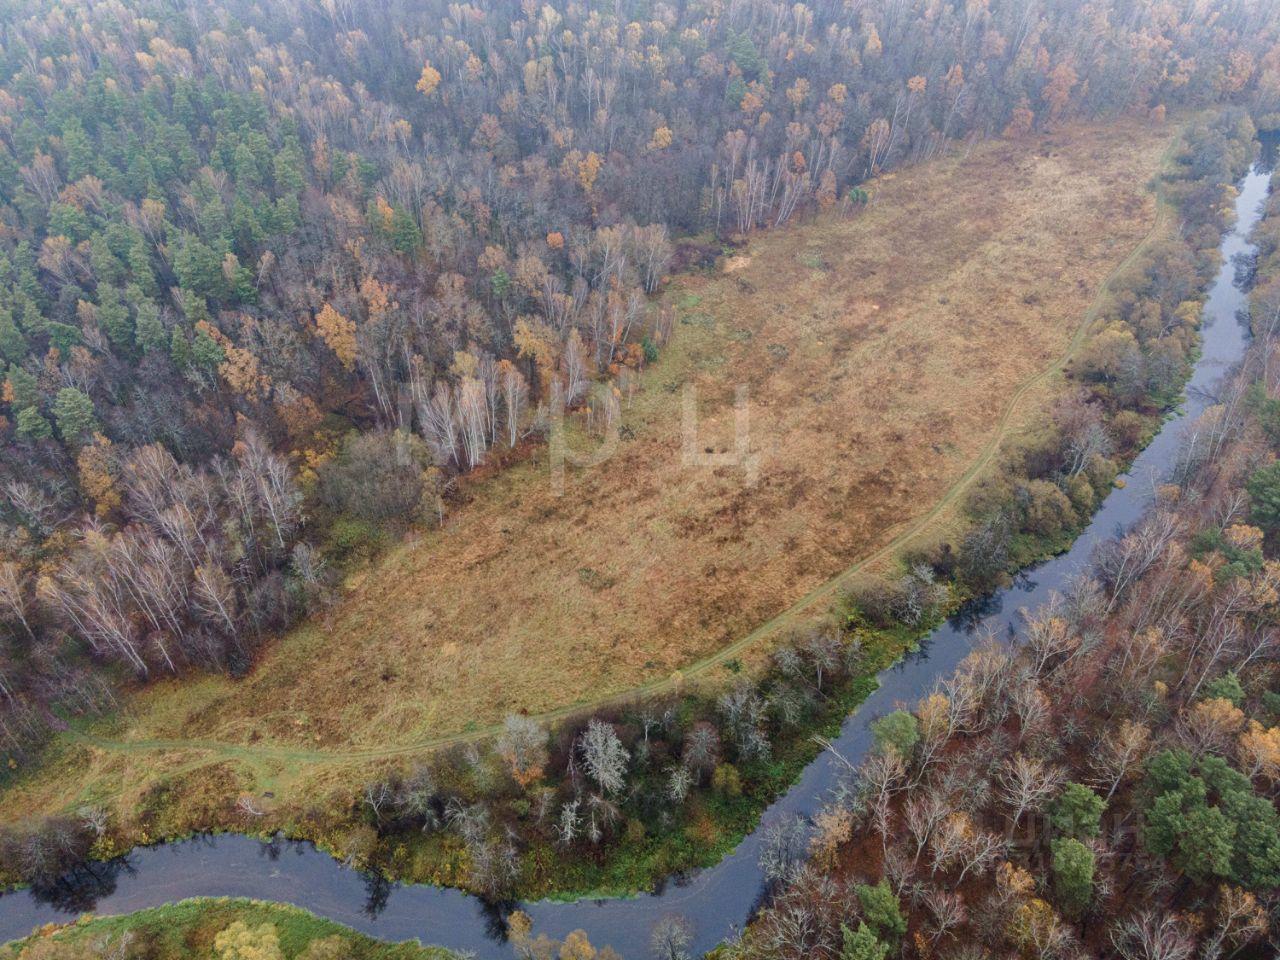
x=179, y=931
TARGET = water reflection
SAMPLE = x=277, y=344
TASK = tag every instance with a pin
x=377, y=892
x=975, y=613
x=80, y=890
x=494, y=916
x=271, y=848
x=1270, y=140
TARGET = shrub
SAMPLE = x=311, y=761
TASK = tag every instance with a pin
x=861, y=944
x=1271, y=703
x=1102, y=473
x=377, y=479
x=898, y=731
x=726, y=781
x=1225, y=687
x=1077, y=812
x=32, y=425
x=44, y=855
x=1046, y=510
x=1083, y=497
x=881, y=909
x=73, y=410
x=1264, y=496
x=1072, y=875
x=1204, y=816
x=1267, y=410
x=875, y=605
x=360, y=845
x=635, y=832
x=243, y=942
x=984, y=555
x=1129, y=429
x=650, y=349
x=351, y=540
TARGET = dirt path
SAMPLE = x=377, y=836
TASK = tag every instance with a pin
x=257, y=756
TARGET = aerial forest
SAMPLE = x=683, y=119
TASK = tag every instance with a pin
x=274, y=278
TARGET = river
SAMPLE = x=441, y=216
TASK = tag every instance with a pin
x=718, y=900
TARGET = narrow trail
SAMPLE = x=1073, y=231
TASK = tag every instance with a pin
x=256, y=755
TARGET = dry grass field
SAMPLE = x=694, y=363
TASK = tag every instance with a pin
x=880, y=350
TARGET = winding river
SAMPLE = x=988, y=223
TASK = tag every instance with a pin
x=718, y=900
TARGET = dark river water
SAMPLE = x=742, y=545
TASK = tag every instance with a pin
x=718, y=900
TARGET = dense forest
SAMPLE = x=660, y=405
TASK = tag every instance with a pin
x=272, y=277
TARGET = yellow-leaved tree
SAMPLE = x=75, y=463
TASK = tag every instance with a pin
x=536, y=341
x=588, y=170
x=1259, y=751
x=661, y=138
x=338, y=333
x=240, y=368
x=98, y=470
x=429, y=80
